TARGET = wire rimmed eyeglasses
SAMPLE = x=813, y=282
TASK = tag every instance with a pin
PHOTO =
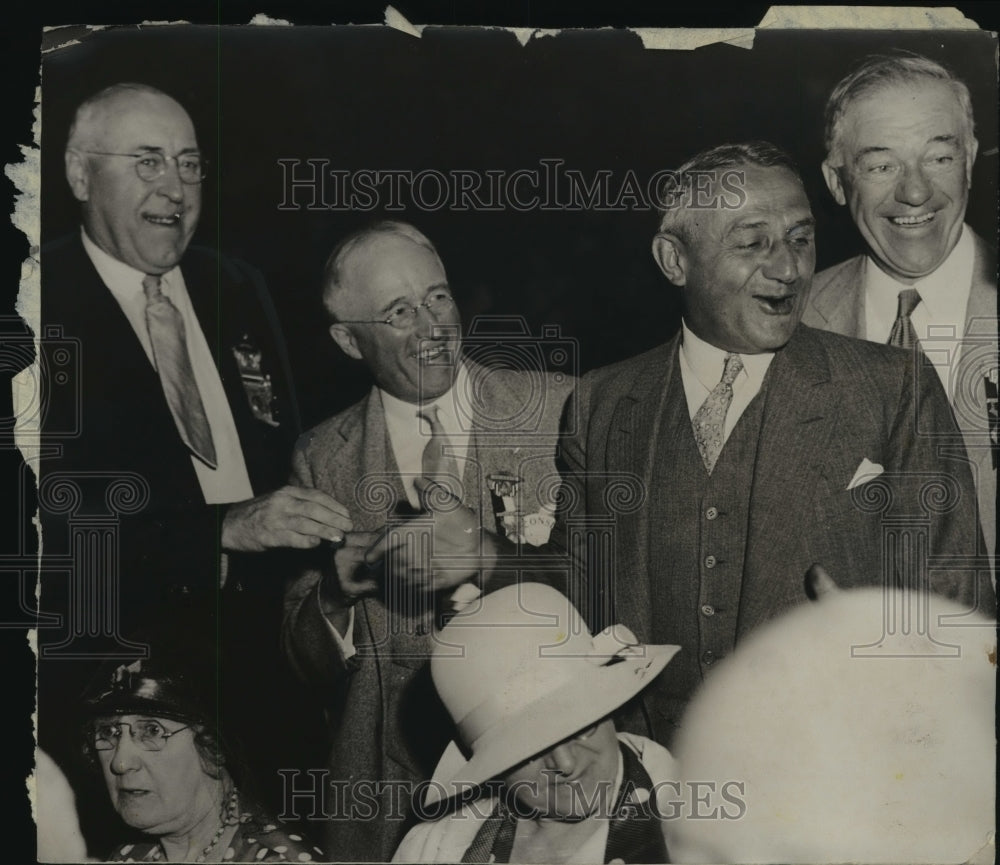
x=148, y=734
x=152, y=165
x=404, y=315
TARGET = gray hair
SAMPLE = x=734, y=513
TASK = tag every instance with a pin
x=90, y=106
x=676, y=195
x=333, y=270
x=884, y=70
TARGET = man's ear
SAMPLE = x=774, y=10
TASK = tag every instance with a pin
x=78, y=175
x=345, y=339
x=972, y=150
x=671, y=255
x=831, y=174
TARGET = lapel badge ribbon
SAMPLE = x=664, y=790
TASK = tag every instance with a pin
x=256, y=383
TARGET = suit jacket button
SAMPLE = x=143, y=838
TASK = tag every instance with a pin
x=711, y=513
x=708, y=658
x=710, y=562
x=707, y=610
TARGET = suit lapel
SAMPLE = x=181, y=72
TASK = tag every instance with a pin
x=800, y=414
x=113, y=362
x=217, y=308
x=503, y=448
x=367, y=463
x=977, y=357
x=367, y=480
x=840, y=301
x=483, y=444
x=632, y=440
x=981, y=312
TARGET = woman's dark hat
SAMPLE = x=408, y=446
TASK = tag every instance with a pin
x=178, y=679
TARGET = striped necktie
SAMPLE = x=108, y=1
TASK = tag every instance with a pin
x=438, y=463
x=903, y=334
x=170, y=355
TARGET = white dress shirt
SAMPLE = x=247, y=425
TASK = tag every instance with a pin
x=408, y=436
x=702, y=365
x=229, y=481
x=939, y=318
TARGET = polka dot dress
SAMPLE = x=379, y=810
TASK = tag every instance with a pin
x=257, y=839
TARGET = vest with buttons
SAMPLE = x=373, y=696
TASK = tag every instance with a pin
x=697, y=543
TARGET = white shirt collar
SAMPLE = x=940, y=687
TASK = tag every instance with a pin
x=942, y=292
x=123, y=280
x=707, y=362
x=408, y=434
x=402, y=414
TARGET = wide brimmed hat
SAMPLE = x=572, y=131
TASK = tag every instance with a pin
x=520, y=673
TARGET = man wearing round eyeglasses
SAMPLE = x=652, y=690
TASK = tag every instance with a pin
x=436, y=427
x=169, y=411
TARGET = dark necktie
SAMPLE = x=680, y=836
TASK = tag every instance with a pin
x=438, y=463
x=903, y=335
x=710, y=420
x=170, y=355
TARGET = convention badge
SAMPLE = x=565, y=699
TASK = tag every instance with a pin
x=256, y=383
x=992, y=413
x=536, y=527
x=503, y=484
x=503, y=493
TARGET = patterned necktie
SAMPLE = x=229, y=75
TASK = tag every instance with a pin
x=710, y=419
x=903, y=335
x=170, y=355
x=438, y=463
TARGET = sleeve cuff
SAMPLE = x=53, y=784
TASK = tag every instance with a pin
x=346, y=642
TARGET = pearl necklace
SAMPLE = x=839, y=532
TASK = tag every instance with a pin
x=229, y=816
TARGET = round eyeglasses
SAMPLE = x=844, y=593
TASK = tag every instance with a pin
x=150, y=166
x=148, y=734
x=404, y=315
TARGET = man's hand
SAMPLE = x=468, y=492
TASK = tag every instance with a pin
x=297, y=517
x=352, y=578
x=459, y=549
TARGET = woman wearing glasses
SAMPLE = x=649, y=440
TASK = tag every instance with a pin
x=151, y=730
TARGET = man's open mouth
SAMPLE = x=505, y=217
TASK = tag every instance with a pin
x=779, y=305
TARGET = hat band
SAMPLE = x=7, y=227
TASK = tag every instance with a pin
x=613, y=643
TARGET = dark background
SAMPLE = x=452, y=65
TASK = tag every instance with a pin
x=372, y=99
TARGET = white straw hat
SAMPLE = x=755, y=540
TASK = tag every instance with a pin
x=520, y=673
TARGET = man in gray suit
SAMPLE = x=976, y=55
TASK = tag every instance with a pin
x=755, y=447
x=435, y=427
x=900, y=149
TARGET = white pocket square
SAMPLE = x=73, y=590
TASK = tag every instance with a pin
x=865, y=472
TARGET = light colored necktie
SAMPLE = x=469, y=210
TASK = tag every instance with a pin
x=166, y=333
x=437, y=462
x=709, y=421
x=903, y=334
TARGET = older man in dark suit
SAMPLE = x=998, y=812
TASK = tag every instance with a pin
x=900, y=149
x=169, y=416
x=752, y=447
x=360, y=624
